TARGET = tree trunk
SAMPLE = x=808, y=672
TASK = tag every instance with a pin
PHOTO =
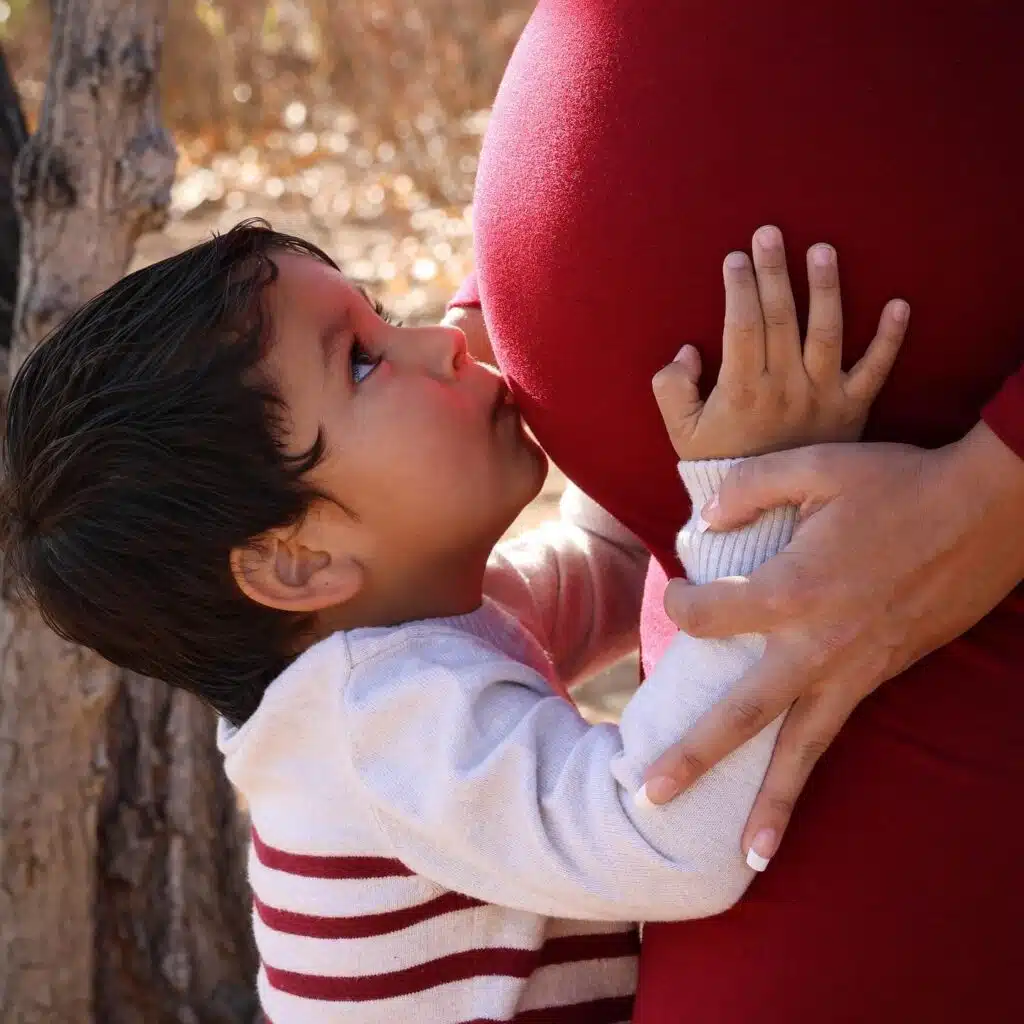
x=122, y=892
x=13, y=134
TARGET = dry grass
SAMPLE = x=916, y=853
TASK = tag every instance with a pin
x=412, y=73
x=355, y=124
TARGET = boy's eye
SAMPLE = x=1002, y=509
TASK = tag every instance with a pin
x=381, y=311
x=361, y=362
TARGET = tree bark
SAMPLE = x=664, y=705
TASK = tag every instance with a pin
x=13, y=134
x=122, y=892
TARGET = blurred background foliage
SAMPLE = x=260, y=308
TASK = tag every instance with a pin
x=356, y=123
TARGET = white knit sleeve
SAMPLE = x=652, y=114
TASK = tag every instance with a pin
x=576, y=584
x=482, y=781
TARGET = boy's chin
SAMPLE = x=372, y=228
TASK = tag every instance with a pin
x=537, y=471
x=539, y=458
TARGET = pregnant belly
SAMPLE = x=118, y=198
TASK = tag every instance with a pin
x=632, y=145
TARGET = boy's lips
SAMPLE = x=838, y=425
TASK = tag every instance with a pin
x=502, y=400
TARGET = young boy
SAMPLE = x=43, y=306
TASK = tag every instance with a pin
x=231, y=472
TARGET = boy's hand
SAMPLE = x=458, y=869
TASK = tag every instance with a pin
x=774, y=392
x=470, y=320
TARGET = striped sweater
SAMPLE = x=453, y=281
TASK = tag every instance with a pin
x=439, y=837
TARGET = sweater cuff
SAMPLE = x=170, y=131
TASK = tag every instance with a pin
x=707, y=555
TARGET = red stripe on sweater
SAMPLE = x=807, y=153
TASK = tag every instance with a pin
x=597, y=1011
x=472, y=963
x=363, y=926
x=327, y=866
x=568, y=948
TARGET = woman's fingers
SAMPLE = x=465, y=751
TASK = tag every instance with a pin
x=722, y=608
x=865, y=380
x=743, y=352
x=810, y=727
x=791, y=477
x=823, y=349
x=757, y=699
x=782, y=332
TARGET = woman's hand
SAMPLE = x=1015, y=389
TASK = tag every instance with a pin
x=898, y=551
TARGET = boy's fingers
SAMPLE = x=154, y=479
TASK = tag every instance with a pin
x=470, y=320
x=782, y=332
x=743, y=354
x=675, y=391
x=865, y=380
x=823, y=350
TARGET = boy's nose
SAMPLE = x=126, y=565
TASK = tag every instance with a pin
x=442, y=350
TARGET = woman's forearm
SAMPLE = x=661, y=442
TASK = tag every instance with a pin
x=981, y=464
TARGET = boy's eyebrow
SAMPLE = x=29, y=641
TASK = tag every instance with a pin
x=330, y=333
x=329, y=337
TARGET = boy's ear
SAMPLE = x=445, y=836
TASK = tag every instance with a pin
x=283, y=573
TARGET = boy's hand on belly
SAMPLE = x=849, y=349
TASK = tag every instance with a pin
x=470, y=320
x=898, y=551
x=775, y=391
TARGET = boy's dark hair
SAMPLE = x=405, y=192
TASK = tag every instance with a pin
x=142, y=446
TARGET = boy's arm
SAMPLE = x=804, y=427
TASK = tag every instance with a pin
x=487, y=784
x=576, y=584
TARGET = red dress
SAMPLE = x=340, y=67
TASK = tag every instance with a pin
x=632, y=145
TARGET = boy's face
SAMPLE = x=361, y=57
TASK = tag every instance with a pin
x=425, y=460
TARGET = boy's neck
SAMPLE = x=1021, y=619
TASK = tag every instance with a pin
x=432, y=592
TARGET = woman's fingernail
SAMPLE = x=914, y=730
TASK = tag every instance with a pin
x=655, y=792
x=762, y=849
x=710, y=508
x=702, y=525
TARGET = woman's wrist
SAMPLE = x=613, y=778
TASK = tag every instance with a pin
x=988, y=477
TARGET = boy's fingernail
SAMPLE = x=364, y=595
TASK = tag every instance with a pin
x=655, y=792
x=689, y=359
x=900, y=312
x=769, y=238
x=822, y=255
x=762, y=849
x=736, y=260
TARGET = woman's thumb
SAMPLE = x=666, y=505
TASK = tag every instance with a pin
x=756, y=485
